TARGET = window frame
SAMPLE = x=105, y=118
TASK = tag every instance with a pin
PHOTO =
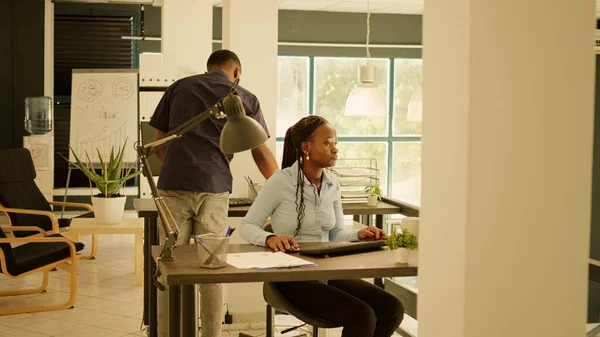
x=390, y=139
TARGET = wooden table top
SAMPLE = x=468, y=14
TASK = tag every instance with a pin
x=87, y=223
x=147, y=208
x=186, y=267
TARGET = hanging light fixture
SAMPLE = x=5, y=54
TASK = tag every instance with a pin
x=365, y=99
x=415, y=106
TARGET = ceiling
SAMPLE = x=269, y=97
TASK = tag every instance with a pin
x=360, y=6
x=377, y=6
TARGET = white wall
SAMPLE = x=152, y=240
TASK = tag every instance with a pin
x=250, y=30
x=507, y=156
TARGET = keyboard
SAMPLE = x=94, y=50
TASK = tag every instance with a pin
x=338, y=248
x=240, y=201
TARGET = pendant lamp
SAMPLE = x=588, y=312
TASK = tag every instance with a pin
x=365, y=99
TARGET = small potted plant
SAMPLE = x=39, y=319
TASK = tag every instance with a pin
x=373, y=194
x=401, y=241
x=109, y=204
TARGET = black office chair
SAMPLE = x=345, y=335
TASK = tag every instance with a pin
x=276, y=300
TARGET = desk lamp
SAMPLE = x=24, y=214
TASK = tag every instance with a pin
x=240, y=133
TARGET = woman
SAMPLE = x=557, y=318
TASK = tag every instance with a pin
x=304, y=202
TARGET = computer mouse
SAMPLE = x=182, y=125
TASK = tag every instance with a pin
x=293, y=250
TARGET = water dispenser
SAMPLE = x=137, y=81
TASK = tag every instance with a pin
x=39, y=140
x=38, y=115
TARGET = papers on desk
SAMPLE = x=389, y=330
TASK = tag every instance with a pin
x=266, y=260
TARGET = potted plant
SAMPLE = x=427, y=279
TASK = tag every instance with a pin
x=109, y=204
x=373, y=194
x=401, y=241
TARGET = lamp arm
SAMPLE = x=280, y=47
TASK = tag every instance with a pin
x=180, y=130
x=170, y=226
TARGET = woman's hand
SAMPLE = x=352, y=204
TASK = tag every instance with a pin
x=371, y=233
x=281, y=243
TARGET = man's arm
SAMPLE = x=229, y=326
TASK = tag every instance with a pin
x=265, y=160
x=160, y=153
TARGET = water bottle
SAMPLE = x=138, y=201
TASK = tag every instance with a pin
x=38, y=115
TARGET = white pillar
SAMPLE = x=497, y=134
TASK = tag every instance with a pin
x=186, y=43
x=42, y=146
x=187, y=33
x=250, y=31
x=507, y=157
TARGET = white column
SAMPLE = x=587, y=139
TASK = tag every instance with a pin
x=250, y=31
x=186, y=43
x=42, y=146
x=507, y=157
x=187, y=33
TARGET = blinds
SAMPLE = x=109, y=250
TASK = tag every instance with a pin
x=83, y=42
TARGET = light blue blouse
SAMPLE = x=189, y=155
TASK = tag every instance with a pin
x=323, y=218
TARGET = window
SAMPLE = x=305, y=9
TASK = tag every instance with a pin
x=334, y=79
x=406, y=172
x=376, y=150
x=293, y=91
x=406, y=152
x=407, y=80
x=321, y=85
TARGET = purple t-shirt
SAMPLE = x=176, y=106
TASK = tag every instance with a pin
x=195, y=162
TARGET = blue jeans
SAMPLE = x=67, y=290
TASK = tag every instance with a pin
x=196, y=213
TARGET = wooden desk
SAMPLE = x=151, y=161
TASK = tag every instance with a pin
x=184, y=273
x=186, y=267
x=147, y=210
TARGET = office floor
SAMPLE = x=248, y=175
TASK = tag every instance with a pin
x=108, y=303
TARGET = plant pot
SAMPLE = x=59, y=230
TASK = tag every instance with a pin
x=413, y=257
x=401, y=255
x=372, y=200
x=108, y=210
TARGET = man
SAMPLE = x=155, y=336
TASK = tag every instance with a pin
x=195, y=177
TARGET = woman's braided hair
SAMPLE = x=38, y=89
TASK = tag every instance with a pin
x=292, y=152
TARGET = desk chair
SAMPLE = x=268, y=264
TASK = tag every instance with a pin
x=23, y=202
x=276, y=300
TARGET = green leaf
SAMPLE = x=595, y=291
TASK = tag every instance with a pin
x=132, y=175
x=373, y=189
x=104, y=169
x=403, y=239
x=118, y=164
x=113, y=178
x=92, y=175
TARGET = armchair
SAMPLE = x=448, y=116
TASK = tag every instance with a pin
x=36, y=254
x=23, y=202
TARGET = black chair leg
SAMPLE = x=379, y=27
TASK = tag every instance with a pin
x=270, y=322
x=315, y=331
